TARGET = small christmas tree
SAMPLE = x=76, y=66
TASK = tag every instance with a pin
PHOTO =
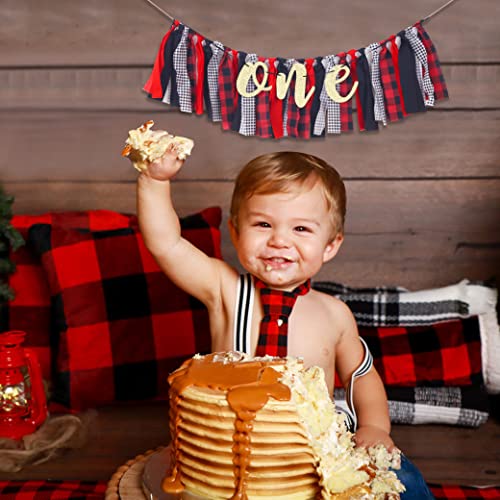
x=10, y=239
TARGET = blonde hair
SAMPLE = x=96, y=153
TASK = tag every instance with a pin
x=275, y=172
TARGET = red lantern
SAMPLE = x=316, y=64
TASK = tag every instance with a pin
x=23, y=406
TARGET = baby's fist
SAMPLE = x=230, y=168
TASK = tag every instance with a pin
x=370, y=435
x=165, y=167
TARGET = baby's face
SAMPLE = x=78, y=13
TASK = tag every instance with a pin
x=284, y=238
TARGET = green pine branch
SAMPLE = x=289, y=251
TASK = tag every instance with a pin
x=10, y=240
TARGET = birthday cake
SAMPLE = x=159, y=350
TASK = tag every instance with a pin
x=144, y=145
x=266, y=427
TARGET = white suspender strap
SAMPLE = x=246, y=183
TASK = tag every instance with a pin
x=362, y=369
x=245, y=295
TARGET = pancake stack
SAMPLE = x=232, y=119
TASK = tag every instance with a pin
x=265, y=427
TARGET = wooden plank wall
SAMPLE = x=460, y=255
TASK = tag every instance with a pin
x=424, y=195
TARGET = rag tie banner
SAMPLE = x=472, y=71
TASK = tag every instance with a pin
x=273, y=97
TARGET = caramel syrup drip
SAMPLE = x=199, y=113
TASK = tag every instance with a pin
x=249, y=386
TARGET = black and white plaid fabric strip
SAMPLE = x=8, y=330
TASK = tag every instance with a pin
x=421, y=62
x=427, y=405
x=248, y=123
x=288, y=63
x=329, y=110
x=213, y=79
x=183, y=83
x=378, y=92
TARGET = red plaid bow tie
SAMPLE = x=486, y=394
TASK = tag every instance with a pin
x=277, y=304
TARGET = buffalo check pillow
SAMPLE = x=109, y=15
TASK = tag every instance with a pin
x=30, y=309
x=122, y=325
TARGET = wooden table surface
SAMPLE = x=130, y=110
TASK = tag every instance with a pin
x=444, y=454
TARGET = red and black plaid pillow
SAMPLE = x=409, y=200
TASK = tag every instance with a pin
x=442, y=354
x=30, y=309
x=122, y=325
x=438, y=355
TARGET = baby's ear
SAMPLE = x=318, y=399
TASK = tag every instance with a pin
x=333, y=247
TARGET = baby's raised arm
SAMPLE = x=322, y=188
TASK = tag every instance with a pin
x=187, y=266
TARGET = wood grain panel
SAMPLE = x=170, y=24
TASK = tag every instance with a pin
x=86, y=146
x=108, y=88
x=129, y=31
x=412, y=233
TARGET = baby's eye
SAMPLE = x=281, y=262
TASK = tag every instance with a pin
x=302, y=229
x=263, y=224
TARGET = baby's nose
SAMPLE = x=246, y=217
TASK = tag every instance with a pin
x=279, y=239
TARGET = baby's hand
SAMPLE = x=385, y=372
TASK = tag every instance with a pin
x=165, y=167
x=370, y=435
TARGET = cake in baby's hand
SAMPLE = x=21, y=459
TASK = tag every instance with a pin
x=145, y=145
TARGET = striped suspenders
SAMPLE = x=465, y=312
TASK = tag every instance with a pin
x=243, y=315
x=241, y=342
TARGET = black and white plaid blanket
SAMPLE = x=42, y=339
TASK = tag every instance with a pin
x=463, y=406
x=395, y=306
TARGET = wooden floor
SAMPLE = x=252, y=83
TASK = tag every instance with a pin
x=445, y=454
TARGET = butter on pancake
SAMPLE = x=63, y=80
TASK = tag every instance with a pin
x=145, y=145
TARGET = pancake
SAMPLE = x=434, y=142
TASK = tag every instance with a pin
x=257, y=428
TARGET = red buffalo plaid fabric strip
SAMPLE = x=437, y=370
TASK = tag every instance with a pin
x=52, y=490
x=393, y=102
x=121, y=325
x=451, y=492
x=82, y=490
x=442, y=354
x=277, y=305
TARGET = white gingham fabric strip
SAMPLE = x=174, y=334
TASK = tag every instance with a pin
x=378, y=92
x=247, y=123
x=180, y=66
x=329, y=110
x=288, y=63
x=213, y=79
x=421, y=60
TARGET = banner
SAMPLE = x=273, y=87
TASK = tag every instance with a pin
x=273, y=97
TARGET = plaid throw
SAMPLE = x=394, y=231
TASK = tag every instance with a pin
x=277, y=305
x=462, y=406
x=80, y=490
x=52, y=490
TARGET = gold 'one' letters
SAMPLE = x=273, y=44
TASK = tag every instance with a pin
x=332, y=78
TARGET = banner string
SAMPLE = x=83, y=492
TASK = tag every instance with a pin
x=425, y=19
x=437, y=11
